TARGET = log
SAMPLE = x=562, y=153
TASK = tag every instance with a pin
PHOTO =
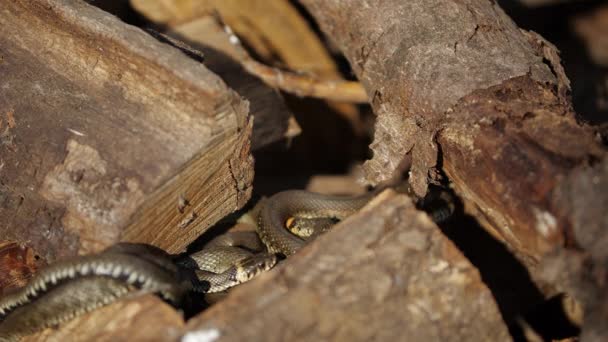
x=385, y=273
x=295, y=45
x=109, y=135
x=272, y=119
x=460, y=88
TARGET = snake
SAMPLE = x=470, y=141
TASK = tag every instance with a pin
x=307, y=215
x=66, y=289
x=226, y=261
x=299, y=203
x=287, y=221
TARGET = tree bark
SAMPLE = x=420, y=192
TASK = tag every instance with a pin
x=386, y=273
x=107, y=134
x=459, y=87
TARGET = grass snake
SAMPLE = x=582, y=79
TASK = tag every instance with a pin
x=69, y=288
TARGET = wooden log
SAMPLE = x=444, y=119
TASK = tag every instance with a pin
x=272, y=119
x=108, y=134
x=386, y=273
x=459, y=87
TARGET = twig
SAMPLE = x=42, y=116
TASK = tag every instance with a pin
x=298, y=84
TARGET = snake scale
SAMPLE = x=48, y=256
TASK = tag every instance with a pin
x=69, y=288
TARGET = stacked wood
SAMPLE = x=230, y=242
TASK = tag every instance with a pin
x=462, y=89
x=459, y=87
x=460, y=93
x=109, y=135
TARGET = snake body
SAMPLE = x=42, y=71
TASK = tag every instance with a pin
x=226, y=261
x=284, y=205
x=281, y=208
x=69, y=288
x=61, y=303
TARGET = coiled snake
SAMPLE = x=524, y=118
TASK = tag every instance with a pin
x=69, y=288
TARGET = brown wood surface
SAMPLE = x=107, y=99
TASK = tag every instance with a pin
x=163, y=152
x=99, y=120
x=272, y=118
x=459, y=87
x=386, y=273
x=581, y=269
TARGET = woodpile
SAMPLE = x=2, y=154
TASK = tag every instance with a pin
x=111, y=132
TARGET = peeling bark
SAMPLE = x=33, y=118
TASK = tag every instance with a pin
x=459, y=78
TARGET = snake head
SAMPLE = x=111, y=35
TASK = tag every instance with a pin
x=250, y=267
x=309, y=227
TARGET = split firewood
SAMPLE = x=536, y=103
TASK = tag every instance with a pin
x=110, y=135
x=277, y=33
x=128, y=139
x=272, y=120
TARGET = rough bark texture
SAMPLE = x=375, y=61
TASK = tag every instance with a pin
x=99, y=120
x=386, y=273
x=460, y=77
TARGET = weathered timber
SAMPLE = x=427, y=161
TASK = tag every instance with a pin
x=459, y=87
x=386, y=273
x=272, y=119
x=296, y=45
x=100, y=121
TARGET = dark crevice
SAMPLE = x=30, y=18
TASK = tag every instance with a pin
x=555, y=24
x=551, y=67
x=507, y=278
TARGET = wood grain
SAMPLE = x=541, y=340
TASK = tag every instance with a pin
x=103, y=118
